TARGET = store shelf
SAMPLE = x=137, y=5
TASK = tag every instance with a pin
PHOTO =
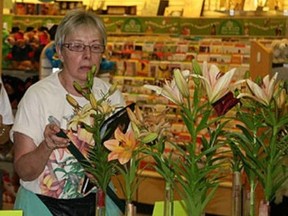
x=21, y=74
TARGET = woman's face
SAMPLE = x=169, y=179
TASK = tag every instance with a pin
x=76, y=64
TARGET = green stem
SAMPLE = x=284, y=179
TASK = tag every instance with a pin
x=270, y=166
x=128, y=181
x=169, y=199
x=252, y=197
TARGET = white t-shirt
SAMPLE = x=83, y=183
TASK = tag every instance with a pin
x=62, y=177
x=5, y=106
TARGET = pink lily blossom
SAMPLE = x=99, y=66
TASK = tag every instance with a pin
x=262, y=93
x=217, y=84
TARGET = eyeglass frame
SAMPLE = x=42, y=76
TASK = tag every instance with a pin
x=68, y=46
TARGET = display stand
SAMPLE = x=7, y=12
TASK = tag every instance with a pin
x=264, y=62
x=260, y=59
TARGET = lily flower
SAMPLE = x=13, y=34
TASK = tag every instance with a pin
x=121, y=147
x=83, y=115
x=82, y=139
x=136, y=117
x=148, y=127
x=217, y=85
x=262, y=93
x=85, y=136
x=157, y=124
x=105, y=108
x=169, y=90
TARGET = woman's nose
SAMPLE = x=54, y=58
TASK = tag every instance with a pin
x=87, y=52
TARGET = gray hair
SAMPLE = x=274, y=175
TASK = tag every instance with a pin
x=76, y=18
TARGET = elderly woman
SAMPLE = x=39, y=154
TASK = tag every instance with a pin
x=50, y=177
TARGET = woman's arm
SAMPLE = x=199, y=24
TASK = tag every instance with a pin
x=29, y=159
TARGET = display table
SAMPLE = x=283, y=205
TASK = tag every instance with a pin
x=152, y=187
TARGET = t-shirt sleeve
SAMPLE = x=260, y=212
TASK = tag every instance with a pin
x=5, y=106
x=28, y=119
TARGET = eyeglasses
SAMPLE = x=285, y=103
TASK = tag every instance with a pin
x=79, y=47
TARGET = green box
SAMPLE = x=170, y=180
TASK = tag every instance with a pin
x=11, y=213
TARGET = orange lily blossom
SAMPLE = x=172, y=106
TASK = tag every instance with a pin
x=121, y=147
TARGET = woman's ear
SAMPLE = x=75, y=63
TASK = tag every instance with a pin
x=59, y=52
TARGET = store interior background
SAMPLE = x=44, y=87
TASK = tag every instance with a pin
x=188, y=8
x=246, y=52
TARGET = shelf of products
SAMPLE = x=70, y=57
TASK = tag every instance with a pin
x=55, y=8
x=155, y=57
x=140, y=60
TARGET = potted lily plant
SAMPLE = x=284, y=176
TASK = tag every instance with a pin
x=84, y=129
x=262, y=115
x=126, y=150
x=152, y=130
x=203, y=97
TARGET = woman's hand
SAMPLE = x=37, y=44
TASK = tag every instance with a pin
x=52, y=140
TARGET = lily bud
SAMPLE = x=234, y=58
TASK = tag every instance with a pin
x=196, y=67
x=90, y=76
x=132, y=117
x=281, y=99
x=93, y=69
x=72, y=101
x=139, y=114
x=92, y=72
x=112, y=89
x=181, y=83
x=78, y=87
x=149, y=138
x=93, y=101
x=135, y=129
